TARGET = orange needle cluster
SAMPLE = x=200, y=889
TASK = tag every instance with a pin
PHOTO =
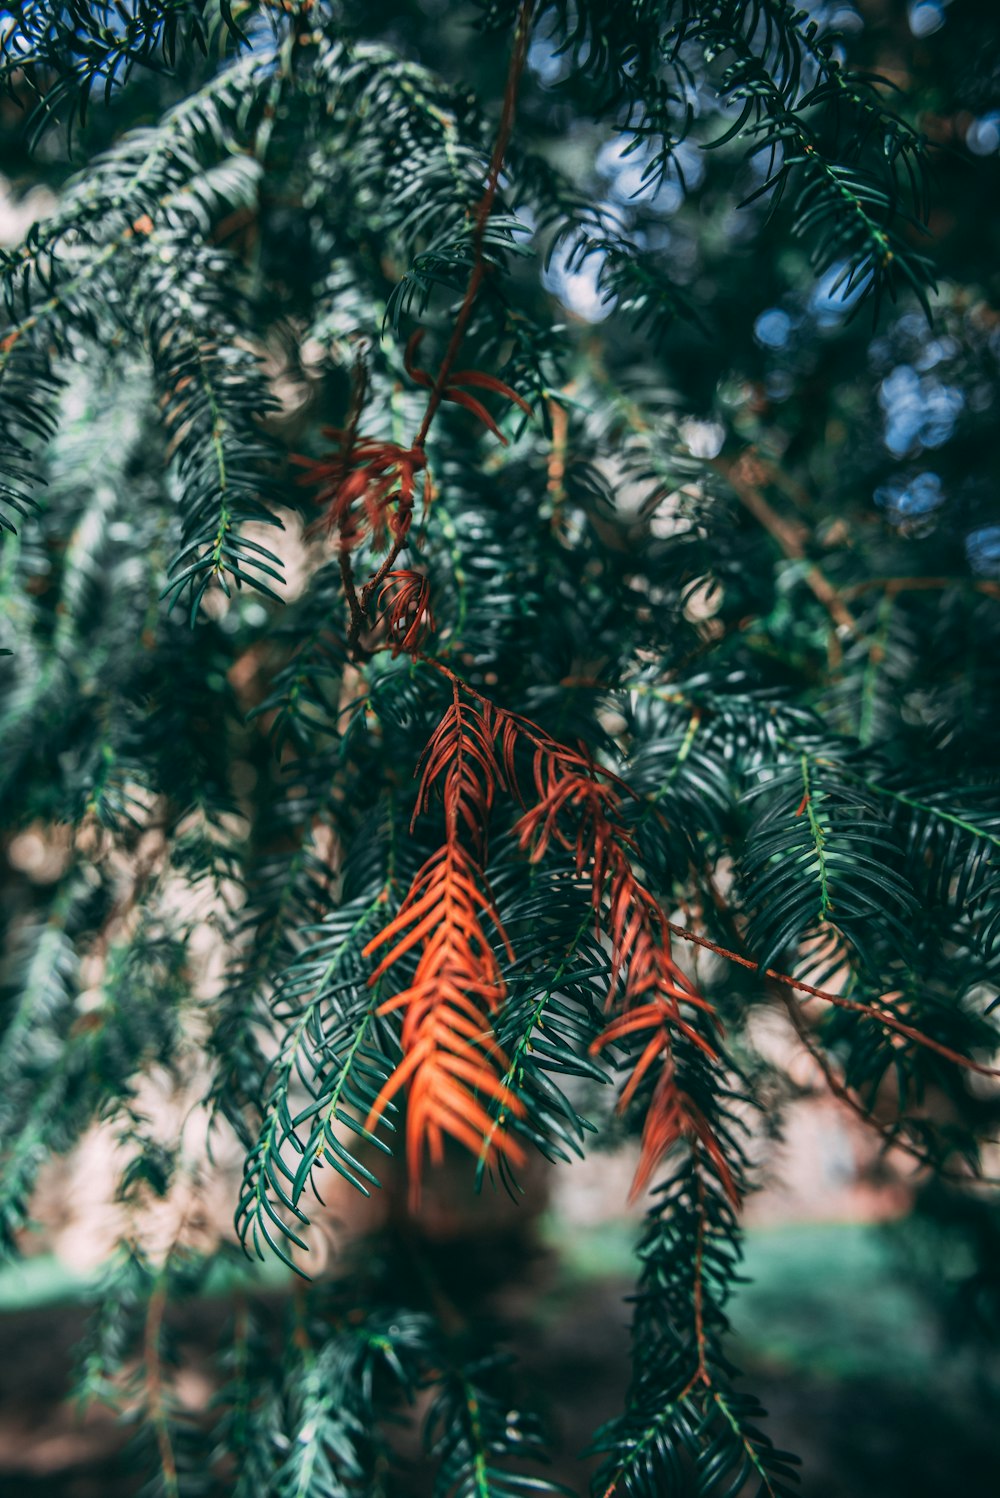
x=451, y=1060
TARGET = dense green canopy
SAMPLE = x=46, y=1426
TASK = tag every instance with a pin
x=502, y=588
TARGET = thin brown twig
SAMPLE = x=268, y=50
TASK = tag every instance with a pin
x=894, y=585
x=871, y=1011
x=477, y=275
x=844, y=1095
x=702, y=1374
x=518, y=58
x=556, y=485
x=857, y=1006
x=789, y=537
x=354, y=604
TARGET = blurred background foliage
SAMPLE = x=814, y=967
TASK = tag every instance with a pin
x=862, y=447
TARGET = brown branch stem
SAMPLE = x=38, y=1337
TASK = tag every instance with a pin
x=844, y=1095
x=702, y=1374
x=871, y=1011
x=359, y=605
x=738, y=475
x=358, y=618
x=484, y=209
x=894, y=585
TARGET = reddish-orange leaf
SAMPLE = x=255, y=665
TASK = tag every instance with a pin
x=451, y=1059
x=480, y=381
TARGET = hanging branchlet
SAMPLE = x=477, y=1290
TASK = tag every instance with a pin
x=685, y=1412
x=577, y=808
x=381, y=476
x=474, y=750
x=369, y=486
x=582, y=814
x=450, y=1056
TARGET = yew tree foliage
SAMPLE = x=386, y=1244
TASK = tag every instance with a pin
x=527, y=701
